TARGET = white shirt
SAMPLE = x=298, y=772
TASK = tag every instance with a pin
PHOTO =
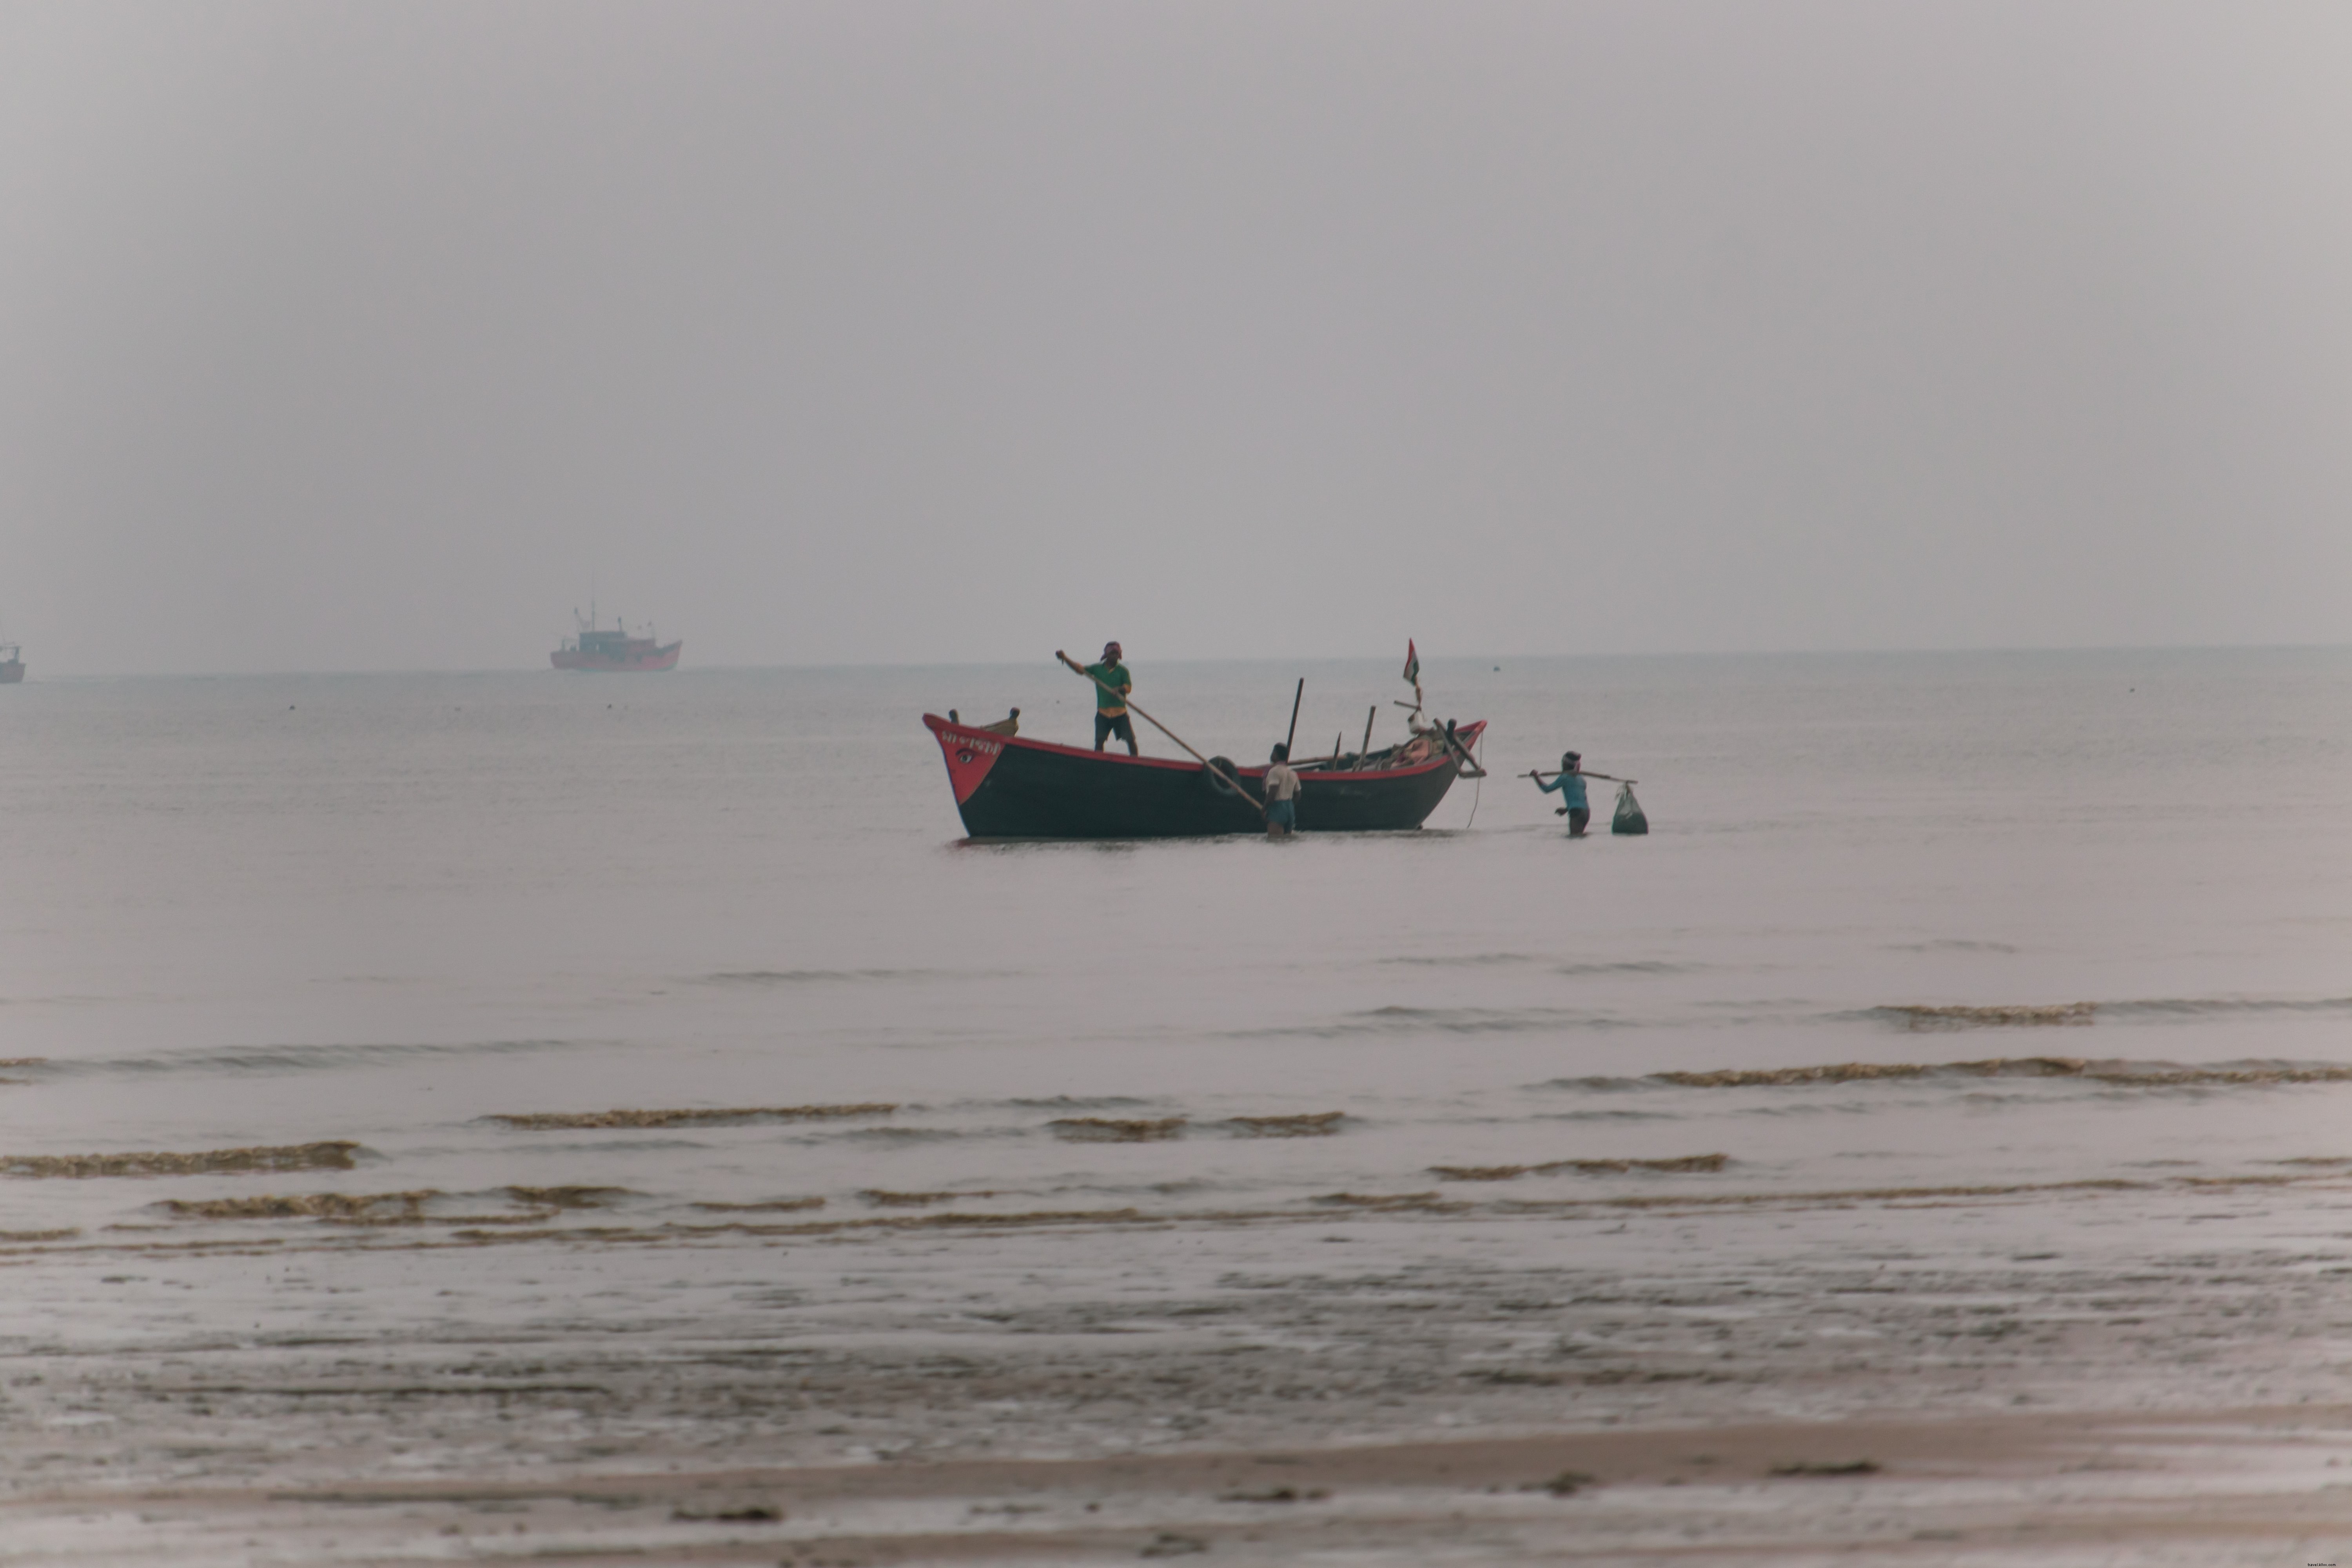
x=1281, y=782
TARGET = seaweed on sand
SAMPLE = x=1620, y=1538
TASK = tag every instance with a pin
x=327, y=1156
x=1322, y=1124
x=541, y=1120
x=1111, y=1130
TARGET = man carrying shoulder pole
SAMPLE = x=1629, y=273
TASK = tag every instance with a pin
x=1569, y=782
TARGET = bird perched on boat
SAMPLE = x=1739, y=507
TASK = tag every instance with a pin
x=1008, y=725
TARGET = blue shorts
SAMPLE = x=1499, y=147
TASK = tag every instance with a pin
x=1281, y=814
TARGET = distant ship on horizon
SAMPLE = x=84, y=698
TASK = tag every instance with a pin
x=11, y=664
x=614, y=650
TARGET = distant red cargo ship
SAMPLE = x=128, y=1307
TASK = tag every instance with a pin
x=614, y=650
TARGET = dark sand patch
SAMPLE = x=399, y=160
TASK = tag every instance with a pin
x=1432, y=1203
x=2124, y=1074
x=560, y=1119
x=328, y=1156
x=1686, y=1162
x=569, y=1197
x=2064, y=1015
x=305, y=1205
x=1830, y=1467
x=1111, y=1130
x=1322, y=1124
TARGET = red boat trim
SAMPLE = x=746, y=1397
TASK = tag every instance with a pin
x=965, y=771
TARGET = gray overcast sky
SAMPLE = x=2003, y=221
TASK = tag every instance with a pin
x=361, y=336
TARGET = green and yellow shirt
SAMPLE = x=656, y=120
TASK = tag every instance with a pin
x=1114, y=678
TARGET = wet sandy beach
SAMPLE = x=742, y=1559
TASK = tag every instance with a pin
x=1797, y=1378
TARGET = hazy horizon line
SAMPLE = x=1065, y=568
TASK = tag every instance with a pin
x=1181, y=661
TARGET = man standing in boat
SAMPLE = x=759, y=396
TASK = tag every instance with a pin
x=1112, y=683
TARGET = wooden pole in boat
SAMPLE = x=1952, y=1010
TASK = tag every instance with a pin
x=1370, y=714
x=1297, y=698
x=1231, y=782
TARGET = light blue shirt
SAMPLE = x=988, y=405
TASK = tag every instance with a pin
x=1571, y=786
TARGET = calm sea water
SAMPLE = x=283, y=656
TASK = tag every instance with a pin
x=387, y=909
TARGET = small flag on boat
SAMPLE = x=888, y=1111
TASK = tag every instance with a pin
x=1411, y=664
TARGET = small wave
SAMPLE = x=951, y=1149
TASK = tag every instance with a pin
x=823, y=977
x=902, y=1135
x=1071, y=1102
x=2211, y=1006
x=298, y=1058
x=2142, y=1075
x=569, y=1197
x=1322, y=1124
x=978, y=1222
x=771, y=1205
x=1952, y=945
x=1391, y=1203
x=1499, y=959
x=689, y=1117
x=1686, y=1162
x=1403, y=1020
x=1864, y=1072
x=1109, y=1129
x=326, y=1156
x=306, y=1205
x=2078, y=1014
x=2063, y=1014
x=881, y=1198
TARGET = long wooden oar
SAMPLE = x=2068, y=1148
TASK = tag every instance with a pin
x=1586, y=773
x=1232, y=783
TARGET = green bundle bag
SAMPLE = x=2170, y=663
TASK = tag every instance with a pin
x=1629, y=817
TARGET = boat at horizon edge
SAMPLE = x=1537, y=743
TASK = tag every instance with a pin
x=11, y=664
x=1007, y=786
x=614, y=652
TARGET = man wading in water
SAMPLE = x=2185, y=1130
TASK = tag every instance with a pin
x=1112, y=683
x=1281, y=794
x=1570, y=785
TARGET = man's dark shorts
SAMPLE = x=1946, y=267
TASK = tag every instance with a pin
x=1109, y=724
x=1578, y=816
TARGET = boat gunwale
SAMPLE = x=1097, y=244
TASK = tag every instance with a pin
x=1438, y=757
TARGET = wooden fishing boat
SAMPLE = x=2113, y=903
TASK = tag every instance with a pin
x=1014, y=787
